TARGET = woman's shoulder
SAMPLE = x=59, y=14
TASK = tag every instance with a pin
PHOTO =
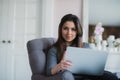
x=86, y=45
x=53, y=49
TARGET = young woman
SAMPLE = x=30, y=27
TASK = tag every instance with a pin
x=69, y=34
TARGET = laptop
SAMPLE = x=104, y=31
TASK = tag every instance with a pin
x=86, y=61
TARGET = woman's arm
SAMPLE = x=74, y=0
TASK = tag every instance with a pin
x=63, y=65
x=55, y=69
x=52, y=66
x=51, y=60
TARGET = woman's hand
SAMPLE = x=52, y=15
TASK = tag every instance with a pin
x=63, y=65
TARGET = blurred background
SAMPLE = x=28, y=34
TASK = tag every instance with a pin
x=24, y=20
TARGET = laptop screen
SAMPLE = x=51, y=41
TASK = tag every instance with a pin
x=86, y=61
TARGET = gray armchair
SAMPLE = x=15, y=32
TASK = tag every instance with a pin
x=37, y=51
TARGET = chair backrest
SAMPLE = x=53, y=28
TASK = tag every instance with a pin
x=36, y=52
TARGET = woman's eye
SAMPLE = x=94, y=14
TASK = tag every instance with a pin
x=65, y=28
x=73, y=29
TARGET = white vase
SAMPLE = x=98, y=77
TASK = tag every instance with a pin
x=110, y=41
x=98, y=39
x=104, y=45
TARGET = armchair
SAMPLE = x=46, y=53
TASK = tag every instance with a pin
x=37, y=51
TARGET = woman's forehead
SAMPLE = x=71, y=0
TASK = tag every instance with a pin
x=69, y=24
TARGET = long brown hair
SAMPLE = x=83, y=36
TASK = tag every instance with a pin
x=61, y=43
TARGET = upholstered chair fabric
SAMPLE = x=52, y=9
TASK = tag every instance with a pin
x=37, y=51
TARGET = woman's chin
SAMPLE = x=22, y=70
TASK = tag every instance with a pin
x=69, y=40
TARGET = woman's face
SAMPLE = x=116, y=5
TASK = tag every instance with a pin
x=69, y=31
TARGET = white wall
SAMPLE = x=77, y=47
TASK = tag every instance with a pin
x=105, y=11
x=62, y=7
x=54, y=10
x=47, y=18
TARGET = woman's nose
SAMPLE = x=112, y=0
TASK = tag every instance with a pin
x=69, y=31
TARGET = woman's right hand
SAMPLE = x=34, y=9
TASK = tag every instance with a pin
x=63, y=65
